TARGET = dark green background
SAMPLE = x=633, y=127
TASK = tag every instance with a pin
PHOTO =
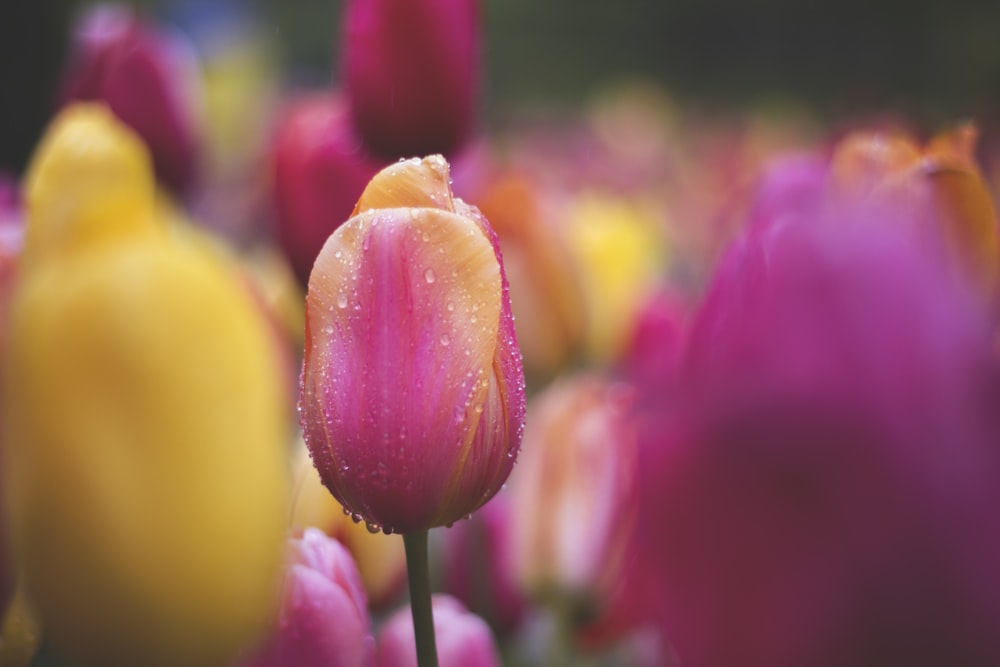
x=933, y=61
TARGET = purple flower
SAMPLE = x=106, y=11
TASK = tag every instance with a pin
x=477, y=565
x=320, y=170
x=148, y=77
x=412, y=73
x=824, y=490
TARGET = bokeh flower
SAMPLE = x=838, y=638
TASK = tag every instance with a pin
x=324, y=614
x=463, y=639
x=147, y=517
x=573, y=493
x=412, y=389
x=150, y=79
x=822, y=490
x=477, y=565
x=411, y=69
x=320, y=169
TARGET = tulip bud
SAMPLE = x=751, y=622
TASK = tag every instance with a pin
x=320, y=170
x=463, y=639
x=324, y=614
x=412, y=401
x=148, y=77
x=144, y=422
x=572, y=492
x=412, y=73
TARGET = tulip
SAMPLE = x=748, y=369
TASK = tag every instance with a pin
x=572, y=493
x=411, y=69
x=823, y=492
x=412, y=399
x=320, y=170
x=324, y=614
x=144, y=424
x=477, y=565
x=546, y=293
x=380, y=558
x=149, y=78
x=464, y=639
x=618, y=248
x=940, y=186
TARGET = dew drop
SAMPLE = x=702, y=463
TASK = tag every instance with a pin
x=445, y=341
x=342, y=300
x=328, y=330
x=338, y=254
x=347, y=512
x=429, y=276
x=373, y=527
x=451, y=307
x=356, y=517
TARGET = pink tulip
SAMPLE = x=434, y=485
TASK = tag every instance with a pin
x=463, y=639
x=412, y=401
x=149, y=79
x=320, y=170
x=573, y=492
x=324, y=615
x=477, y=567
x=412, y=73
x=823, y=490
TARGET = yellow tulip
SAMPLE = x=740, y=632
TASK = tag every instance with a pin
x=144, y=471
x=618, y=246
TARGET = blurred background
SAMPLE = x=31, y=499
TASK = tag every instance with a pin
x=840, y=59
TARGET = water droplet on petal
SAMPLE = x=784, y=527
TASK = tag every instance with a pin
x=429, y=276
x=373, y=527
x=328, y=330
x=356, y=517
x=342, y=300
x=445, y=341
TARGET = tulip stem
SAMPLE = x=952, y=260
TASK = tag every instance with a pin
x=418, y=574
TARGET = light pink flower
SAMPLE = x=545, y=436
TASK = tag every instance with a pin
x=324, y=614
x=463, y=639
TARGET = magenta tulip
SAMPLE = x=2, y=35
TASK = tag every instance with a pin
x=412, y=73
x=463, y=639
x=477, y=565
x=823, y=491
x=412, y=401
x=320, y=170
x=324, y=615
x=150, y=80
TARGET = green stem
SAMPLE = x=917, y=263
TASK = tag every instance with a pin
x=418, y=573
